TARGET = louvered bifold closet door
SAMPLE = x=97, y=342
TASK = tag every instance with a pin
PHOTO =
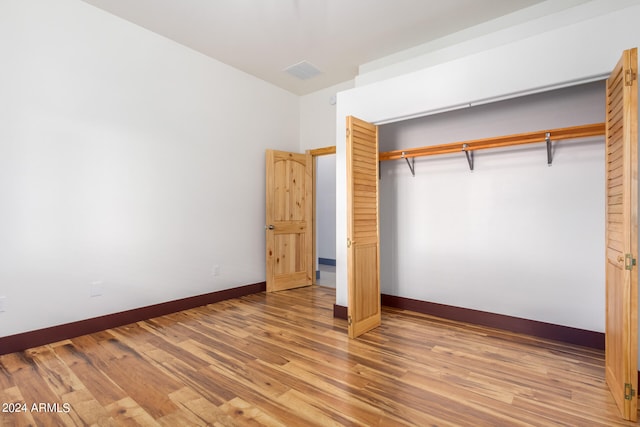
x=363, y=253
x=622, y=233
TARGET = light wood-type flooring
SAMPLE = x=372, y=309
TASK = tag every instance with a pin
x=283, y=360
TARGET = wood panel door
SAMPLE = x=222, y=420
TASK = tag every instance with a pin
x=363, y=253
x=288, y=220
x=621, y=354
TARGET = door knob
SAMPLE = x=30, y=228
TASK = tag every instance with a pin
x=620, y=258
x=269, y=227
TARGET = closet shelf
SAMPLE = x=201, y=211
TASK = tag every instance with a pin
x=573, y=132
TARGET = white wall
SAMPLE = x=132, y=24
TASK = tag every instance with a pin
x=127, y=159
x=318, y=130
x=560, y=56
x=515, y=236
x=318, y=117
x=519, y=25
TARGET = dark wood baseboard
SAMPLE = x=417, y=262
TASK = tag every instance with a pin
x=340, y=312
x=513, y=324
x=23, y=341
x=500, y=321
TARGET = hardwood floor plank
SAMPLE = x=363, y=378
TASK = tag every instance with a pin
x=16, y=416
x=340, y=397
x=200, y=407
x=34, y=389
x=137, y=378
x=307, y=409
x=56, y=373
x=87, y=409
x=95, y=380
x=243, y=413
x=282, y=360
x=127, y=412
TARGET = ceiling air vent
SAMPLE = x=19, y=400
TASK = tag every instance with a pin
x=303, y=70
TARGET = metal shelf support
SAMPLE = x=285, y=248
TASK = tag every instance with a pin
x=469, y=154
x=412, y=164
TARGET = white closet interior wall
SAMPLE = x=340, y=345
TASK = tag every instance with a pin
x=514, y=237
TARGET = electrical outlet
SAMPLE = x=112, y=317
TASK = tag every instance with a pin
x=215, y=271
x=3, y=304
x=96, y=288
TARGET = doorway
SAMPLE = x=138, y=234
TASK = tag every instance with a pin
x=324, y=216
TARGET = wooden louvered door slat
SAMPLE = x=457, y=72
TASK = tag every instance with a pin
x=288, y=218
x=621, y=354
x=363, y=253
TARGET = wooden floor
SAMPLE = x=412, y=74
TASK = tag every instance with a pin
x=282, y=360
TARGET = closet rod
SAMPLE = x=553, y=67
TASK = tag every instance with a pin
x=573, y=132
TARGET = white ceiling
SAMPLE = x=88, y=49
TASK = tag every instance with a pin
x=263, y=37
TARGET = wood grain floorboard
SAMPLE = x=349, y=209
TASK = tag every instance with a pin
x=283, y=360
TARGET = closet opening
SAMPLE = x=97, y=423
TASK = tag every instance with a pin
x=499, y=238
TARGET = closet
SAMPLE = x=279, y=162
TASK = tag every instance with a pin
x=516, y=235
x=534, y=227
x=499, y=265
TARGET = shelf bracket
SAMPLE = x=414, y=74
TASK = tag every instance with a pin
x=549, y=153
x=469, y=154
x=412, y=164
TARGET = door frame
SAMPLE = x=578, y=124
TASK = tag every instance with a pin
x=311, y=160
